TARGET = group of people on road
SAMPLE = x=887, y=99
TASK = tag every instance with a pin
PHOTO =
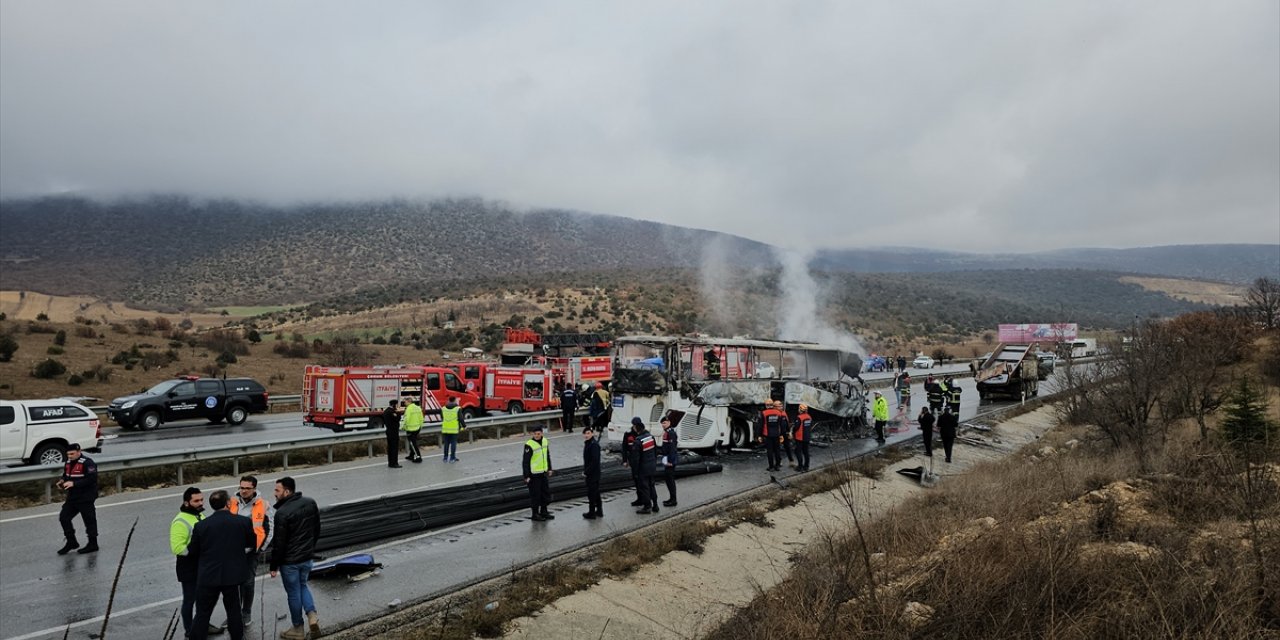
x=778, y=431
x=597, y=400
x=942, y=410
x=406, y=414
x=218, y=556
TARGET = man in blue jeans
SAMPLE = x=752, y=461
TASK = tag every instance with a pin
x=297, y=527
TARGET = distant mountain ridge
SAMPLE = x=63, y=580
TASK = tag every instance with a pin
x=178, y=252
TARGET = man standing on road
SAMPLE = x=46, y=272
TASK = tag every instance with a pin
x=180, y=530
x=670, y=456
x=880, y=414
x=249, y=504
x=568, y=406
x=904, y=389
x=629, y=443
x=599, y=409
x=800, y=433
x=644, y=459
x=537, y=474
x=451, y=423
x=953, y=396
x=902, y=364
x=80, y=481
x=947, y=424
x=297, y=526
x=412, y=426
x=221, y=545
x=934, y=394
x=773, y=425
x=391, y=422
x=926, y=427
x=591, y=472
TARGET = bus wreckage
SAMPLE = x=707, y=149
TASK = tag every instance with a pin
x=715, y=388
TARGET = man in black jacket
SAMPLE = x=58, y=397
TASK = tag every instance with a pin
x=220, y=545
x=926, y=427
x=628, y=443
x=591, y=472
x=568, y=407
x=297, y=529
x=644, y=462
x=391, y=422
x=947, y=423
x=670, y=455
x=80, y=481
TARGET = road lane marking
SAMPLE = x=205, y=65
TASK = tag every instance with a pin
x=312, y=474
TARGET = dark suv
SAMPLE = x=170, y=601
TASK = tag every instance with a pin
x=190, y=398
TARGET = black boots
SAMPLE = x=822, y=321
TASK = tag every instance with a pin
x=669, y=503
x=91, y=547
x=69, y=546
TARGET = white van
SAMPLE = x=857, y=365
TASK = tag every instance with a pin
x=38, y=431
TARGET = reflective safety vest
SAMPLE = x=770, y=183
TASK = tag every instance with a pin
x=180, y=531
x=538, y=462
x=935, y=393
x=953, y=394
x=257, y=514
x=904, y=388
x=412, y=417
x=803, y=422
x=449, y=420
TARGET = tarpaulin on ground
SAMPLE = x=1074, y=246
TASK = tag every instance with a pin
x=353, y=523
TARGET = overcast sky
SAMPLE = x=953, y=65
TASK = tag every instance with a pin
x=953, y=125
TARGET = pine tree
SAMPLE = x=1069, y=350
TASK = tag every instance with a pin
x=1245, y=424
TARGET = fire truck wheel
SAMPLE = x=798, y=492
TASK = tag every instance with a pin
x=467, y=414
x=237, y=415
x=515, y=408
x=374, y=423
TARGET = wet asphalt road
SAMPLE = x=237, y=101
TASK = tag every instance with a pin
x=41, y=593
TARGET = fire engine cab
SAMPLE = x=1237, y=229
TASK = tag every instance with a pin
x=511, y=389
x=341, y=398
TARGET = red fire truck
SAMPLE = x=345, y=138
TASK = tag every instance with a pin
x=576, y=357
x=511, y=389
x=341, y=398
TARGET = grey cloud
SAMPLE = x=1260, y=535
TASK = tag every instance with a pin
x=977, y=125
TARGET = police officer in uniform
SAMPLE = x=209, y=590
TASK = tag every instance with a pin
x=391, y=422
x=80, y=481
x=568, y=405
x=591, y=473
x=537, y=474
x=644, y=460
x=670, y=456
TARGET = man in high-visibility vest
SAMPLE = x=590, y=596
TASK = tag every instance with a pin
x=412, y=425
x=249, y=504
x=880, y=414
x=180, y=529
x=451, y=423
x=537, y=474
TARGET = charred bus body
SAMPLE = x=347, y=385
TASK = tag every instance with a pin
x=716, y=387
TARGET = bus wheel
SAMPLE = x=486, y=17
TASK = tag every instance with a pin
x=739, y=434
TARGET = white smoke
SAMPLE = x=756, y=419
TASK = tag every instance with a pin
x=799, y=316
x=715, y=277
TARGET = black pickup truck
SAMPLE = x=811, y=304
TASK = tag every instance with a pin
x=190, y=398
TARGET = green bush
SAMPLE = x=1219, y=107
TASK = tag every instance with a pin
x=7, y=346
x=54, y=350
x=75, y=380
x=50, y=368
x=60, y=338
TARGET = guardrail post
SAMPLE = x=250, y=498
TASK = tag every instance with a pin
x=471, y=436
x=330, y=454
x=235, y=467
x=370, y=449
x=119, y=482
x=498, y=430
x=48, y=491
x=286, y=461
x=180, y=481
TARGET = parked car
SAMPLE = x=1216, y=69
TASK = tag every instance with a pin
x=922, y=362
x=190, y=398
x=765, y=370
x=38, y=431
x=876, y=364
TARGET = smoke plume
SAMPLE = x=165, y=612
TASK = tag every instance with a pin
x=799, y=316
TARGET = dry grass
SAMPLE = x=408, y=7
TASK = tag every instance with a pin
x=1074, y=544
x=1215, y=293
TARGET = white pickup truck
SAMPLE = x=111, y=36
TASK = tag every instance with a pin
x=38, y=431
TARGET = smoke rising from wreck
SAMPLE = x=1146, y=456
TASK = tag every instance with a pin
x=799, y=316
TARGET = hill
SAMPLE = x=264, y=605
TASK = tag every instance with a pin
x=173, y=252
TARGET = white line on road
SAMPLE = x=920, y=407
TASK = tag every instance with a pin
x=300, y=475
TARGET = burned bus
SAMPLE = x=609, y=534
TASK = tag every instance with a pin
x=715, y=388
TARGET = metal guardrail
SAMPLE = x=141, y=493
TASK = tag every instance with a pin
x=48, y=473
x=295, y=398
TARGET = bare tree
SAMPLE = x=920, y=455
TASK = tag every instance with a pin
x=1263, y=298
x=1201, y=348
x=345, y=351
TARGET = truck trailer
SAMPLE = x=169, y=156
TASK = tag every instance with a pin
x=1010, y=372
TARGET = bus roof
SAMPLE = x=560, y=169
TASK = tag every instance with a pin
x=728, y=342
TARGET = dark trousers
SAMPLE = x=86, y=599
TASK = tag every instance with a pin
x=393, y=449
x=669, y=476
x=948, y=438
x=594, y=505
x=786, y=446
x=928, y=439
x=247, y=589
x=955, y=409
x=648, y=492
x=449, y=444
x=87, y=512
x=414, y=452
x=206, y=598
x=771, y=448
x=906, y=399
x=539, y=493
x=936, y=407
x=635, y=479
x=188, y=605
x=880, y=430
x=566, y=420
x=802, y=453
x=600, y=422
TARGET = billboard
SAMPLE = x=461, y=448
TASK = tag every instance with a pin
x=1028, y=333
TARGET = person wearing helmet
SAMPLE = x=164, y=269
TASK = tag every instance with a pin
x=801, y=430
x=773, y=423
